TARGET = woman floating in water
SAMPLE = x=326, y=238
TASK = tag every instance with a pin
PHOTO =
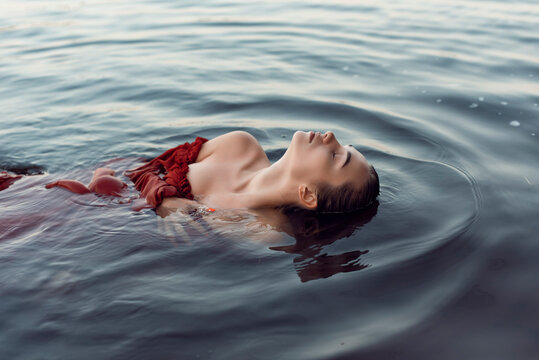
x=232, y=171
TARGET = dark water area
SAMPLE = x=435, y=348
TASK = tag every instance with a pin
x=441, y=97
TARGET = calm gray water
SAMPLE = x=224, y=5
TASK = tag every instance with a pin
x=442, y=97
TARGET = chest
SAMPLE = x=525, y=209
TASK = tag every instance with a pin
x=224, y=175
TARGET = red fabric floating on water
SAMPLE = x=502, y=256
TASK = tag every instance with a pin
x=166, y=175
x=6, y=179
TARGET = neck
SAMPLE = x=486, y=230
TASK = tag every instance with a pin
x=270, y=187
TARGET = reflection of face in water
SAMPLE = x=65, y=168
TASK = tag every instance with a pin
x=314, y=231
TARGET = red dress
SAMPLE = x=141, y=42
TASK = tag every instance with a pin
x=166, y=175
x=7, y=179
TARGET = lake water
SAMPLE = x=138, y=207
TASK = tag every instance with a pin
x=442, y=97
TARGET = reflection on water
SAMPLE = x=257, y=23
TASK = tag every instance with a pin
x=313, y=233
x=441, y=97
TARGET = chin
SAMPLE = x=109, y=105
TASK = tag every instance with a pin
x=296, y=144
x=300, y=135
x=301, y=139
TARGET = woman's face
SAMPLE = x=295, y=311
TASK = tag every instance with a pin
x=316, y=158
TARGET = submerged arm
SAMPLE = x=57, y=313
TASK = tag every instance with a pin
x=174, y=204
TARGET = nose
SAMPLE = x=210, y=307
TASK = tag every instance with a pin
x=328, y=137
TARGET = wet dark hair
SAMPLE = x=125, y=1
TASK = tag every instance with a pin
x=340, y=211
x=348, y=197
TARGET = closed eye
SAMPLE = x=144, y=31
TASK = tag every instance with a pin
x=348, y=156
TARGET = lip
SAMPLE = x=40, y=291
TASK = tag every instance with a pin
x=311, y=136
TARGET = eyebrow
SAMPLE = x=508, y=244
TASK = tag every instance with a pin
x=348, y=156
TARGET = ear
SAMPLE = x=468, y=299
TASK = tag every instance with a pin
x=307, y=197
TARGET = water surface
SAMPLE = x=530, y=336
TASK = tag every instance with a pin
x=442, y=98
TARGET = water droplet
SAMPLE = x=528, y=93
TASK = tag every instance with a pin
x=423, y=91
x=481, y=98
x=355, y=75
x=438, y=100
x=504, y=103
x=345, y=68
x=473, y=106
x=514, y=123
x=500, y=113
x=531, y=75
x=533, y=134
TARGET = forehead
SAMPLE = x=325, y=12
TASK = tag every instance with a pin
x=357, y=156
x=359, y=166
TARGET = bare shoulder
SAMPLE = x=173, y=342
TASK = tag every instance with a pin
x=235, y=138
x=234, y=142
